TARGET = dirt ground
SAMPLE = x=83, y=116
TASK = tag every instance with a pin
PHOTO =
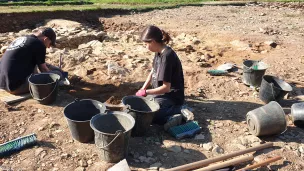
x=203, y=37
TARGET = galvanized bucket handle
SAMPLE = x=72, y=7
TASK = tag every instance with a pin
x=47, y=95
x=126, y=108
x=119, y=132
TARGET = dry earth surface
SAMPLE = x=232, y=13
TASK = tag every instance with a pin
x=108, y=63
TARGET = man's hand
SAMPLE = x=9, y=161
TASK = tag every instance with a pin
x=141, y=92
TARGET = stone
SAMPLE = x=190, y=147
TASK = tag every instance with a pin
x=21, y=131
x=199, y=137
x=79, y=169
x=175, y=149
x=208, y=146
x=149, y=154
x=165, y=154
x=100, y=34
x=142, y=158
x=3, y=49
x=217, y=149
x=301, y=149
x=262, y=14
x=157, y=165
x=54, y=124
x=83, y=163
x=90, y=162
x=43, y=154
x=64, y=156
x=187, y=151
x=252, y=139
x=272, y=44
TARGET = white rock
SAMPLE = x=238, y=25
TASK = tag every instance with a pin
x=90, y=162
x=158, y=164
x=83, y=163
x=208, y=146
x=79, y=169
x=175, y=149
x=217, y=149
x=301, y=149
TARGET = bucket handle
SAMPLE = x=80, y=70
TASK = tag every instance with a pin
x=119, y=132
x=47, y=95
x=126, y=108
x=272, y=88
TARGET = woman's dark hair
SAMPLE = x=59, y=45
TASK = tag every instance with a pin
x=154, y=33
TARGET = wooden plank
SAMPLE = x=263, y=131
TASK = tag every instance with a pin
x=10, y=98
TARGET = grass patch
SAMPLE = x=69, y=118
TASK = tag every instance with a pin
x=44, y=3
x=146, y=1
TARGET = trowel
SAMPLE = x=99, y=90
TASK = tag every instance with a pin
x=65, y=81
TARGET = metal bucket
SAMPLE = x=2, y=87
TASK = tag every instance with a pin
x=143, y=110
x=267, y=120
x=273, y=89
x=44, y=87
x=253, y=72
x=78, y=115
x=297, y=113
x=112, y=134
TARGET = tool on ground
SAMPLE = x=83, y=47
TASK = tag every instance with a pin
x=121, y=166
x=60, y=61
x=187, y=115
x=206, y=162
x=226, y=67
x=186, y=130
x=217, y=72
x=226, y=163
x=264, y=163
x=17, y=144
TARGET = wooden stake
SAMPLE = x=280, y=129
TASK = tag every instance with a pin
x=264, y=163
x=206, y=162
x=226, y=163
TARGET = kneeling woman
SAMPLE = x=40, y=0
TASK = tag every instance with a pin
x=166, y=77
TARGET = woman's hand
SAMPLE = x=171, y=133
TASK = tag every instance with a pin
x=141, y=92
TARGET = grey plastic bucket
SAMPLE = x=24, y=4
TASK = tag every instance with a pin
x=44, y=87
x=267, y=120
x=253, y=72
x=78, y=115
x=112, y=134
x=297, y=113
x=273, y=89
x=143, y=110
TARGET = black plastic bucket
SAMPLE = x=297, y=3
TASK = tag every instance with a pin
x=44, y=87
x=273, y=89
x=253, y=72
x=297, y=113
x=267, y=120
x=112, y=134
x=142, y=109
x=78, y=115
